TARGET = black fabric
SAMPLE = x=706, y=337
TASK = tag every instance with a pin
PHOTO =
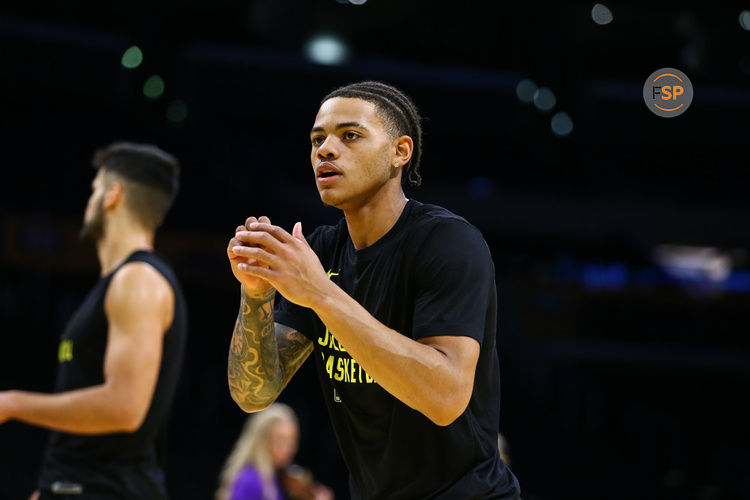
x=91, y=493
x=119, y=465
x=431, y=274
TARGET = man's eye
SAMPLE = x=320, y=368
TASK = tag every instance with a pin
x=350, y=136
x=317, y=140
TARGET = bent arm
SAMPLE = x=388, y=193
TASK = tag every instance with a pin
x=434, y=375
x=139, y=307
x=263, y=355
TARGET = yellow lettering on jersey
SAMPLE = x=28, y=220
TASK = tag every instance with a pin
x=329, y=366
x=324, y=340
x=345, y=369
x=339, y=376
x=65, y=351
x=330, y=341
x=333, y=343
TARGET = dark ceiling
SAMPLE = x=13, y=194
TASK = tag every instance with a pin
x=240, y=71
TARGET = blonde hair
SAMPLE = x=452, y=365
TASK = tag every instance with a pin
x=251, y=448
x=502, y=446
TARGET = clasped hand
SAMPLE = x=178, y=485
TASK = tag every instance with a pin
x=266, y=257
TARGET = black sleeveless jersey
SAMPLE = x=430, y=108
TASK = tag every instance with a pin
x=119, y=465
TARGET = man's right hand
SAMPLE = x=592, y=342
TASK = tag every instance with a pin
x=253, y=286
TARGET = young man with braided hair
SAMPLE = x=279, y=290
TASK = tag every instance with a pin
x=396, y=304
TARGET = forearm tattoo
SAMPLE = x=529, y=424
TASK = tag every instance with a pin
x=294, y=348
x=262, y=356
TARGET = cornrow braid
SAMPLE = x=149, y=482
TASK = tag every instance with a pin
x=401, y=116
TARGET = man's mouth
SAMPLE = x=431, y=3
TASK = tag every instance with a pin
x=327, y=172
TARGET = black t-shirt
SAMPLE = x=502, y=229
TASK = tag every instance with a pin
x=118, y=465
x=431, y=274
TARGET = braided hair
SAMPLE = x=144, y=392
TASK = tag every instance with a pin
x=400, y=115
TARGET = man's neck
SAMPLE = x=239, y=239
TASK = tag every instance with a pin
x=371, y=221
x=118, y=245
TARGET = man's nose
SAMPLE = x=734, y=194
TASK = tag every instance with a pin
x=327, y=150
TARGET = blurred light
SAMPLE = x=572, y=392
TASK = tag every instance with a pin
x=154, y=87
x=544, y=99
x=525, y=90
x=132, y=58
x=738, y=281
x=561, y=124
x=358, y=2
x=601, y=14
x=696, y=266
x=745, y=20
x=604, y=277
x=326, y=49
x=177, y=111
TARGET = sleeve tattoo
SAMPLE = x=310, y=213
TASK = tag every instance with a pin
x=263, y=355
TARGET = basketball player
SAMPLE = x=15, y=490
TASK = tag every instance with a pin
x=120, y=354
x=396, y=303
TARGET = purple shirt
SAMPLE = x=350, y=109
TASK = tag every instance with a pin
x=249, y=486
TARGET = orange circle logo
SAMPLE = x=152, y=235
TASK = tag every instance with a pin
x=668, y=92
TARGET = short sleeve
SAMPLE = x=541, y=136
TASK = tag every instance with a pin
x=247, y=486
x=296, y=317
x=290, y=314
x=455, y=278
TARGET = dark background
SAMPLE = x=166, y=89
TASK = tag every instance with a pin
x=623, y=378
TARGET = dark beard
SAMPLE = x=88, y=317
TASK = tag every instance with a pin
x=94, y=229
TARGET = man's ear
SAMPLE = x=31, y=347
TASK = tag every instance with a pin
x=113, y=196
x=404, y=148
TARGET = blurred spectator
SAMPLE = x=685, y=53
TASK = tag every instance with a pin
x=260, y=465
x=502, y=445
